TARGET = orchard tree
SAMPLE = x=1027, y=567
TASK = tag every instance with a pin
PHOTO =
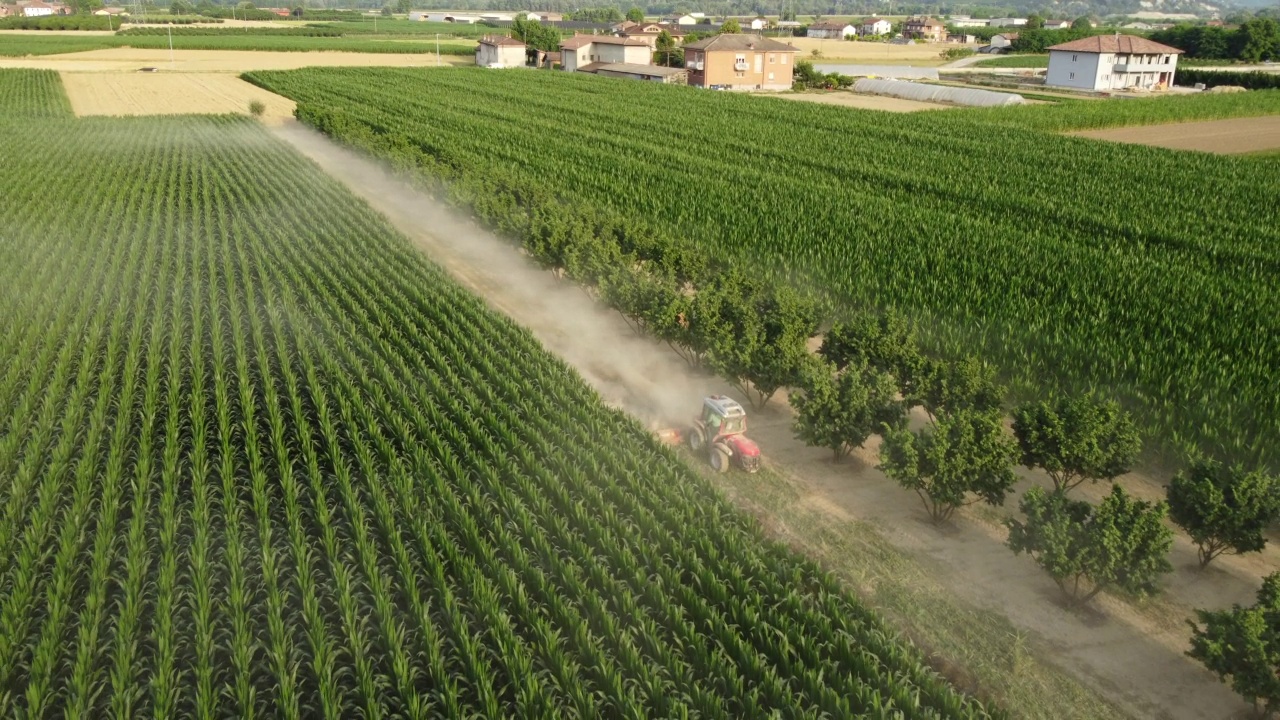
x=666, y=53
x=840, y=409
x=731, y=26
x=1034, y=22
x=761, y=343
x=1225, y=510
x=963, y=458
x=1082, y=23
x=886, y=342
x=635, y=15
x=1122, y=543
x=1244, y=643
x=1076, y=439
x=946, y=386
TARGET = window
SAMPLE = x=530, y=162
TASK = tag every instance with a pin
x=1072, y=76
x=784, y=59
x=770, y=76
x=770, y=58
x=739, y=74
x=1074, y=57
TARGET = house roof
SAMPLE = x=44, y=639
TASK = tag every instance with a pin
x=926, y=22
x=727, y=41
x=1007, y=36
x=873, y=20
x=831, y=25
x=500, y=41
x=1124, y=44
x=639, y=32
x=634, y=69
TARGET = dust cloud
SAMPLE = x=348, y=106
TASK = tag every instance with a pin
x=631, y=372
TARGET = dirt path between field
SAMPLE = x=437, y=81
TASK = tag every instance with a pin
x=1131, y=655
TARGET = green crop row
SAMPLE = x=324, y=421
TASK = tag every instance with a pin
x=261, y=458
x=50, y=45
x=1073, y=264
x=33, y=94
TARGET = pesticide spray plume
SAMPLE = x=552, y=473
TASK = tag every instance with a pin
x=633, y=373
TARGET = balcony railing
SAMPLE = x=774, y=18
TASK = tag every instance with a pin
x=1142, y=67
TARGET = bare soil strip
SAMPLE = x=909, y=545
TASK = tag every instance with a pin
x=169, y=94
x=1131, y=654
x=1228, y=137
x=862, y=102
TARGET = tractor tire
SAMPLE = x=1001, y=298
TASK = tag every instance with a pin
x=697, y=440
x=720, y=459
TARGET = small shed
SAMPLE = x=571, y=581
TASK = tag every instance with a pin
x=650, y=73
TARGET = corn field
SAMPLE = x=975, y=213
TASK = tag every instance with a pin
x=1073, y=264
x=264, y=459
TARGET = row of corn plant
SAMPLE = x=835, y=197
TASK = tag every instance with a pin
x=266, y=460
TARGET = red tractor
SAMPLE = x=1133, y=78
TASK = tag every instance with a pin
x=721, y=431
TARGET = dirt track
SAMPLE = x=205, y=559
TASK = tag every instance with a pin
x=1133, y=656
x=1227, y=137
x=226, y=61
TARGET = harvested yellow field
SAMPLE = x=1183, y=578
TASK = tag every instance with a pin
x=225, y=61
x=922, y=55
x=1227, y=137
x=169, y=94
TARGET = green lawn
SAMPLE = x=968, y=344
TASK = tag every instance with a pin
x=1015, y=61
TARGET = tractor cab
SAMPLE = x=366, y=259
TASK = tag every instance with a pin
x=722, y=417
x=720, y=430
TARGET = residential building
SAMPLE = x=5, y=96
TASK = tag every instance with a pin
x=548, y=16
x=448, y=17
x=647, y=73
x=683, y=20
x=967, y=22
x=792, y=24
x=624, y=26
x=962, y=39
x=1006, y=22
x=111, y=11
x=500, y=51
x=581, y=51
x=925, y=28
x=1057, y=24
x=649, y=32
x=831, y=30
x=874, y=26
x=759, y=22
x=35, y=8
x=1112, y=62
x=740, y=62
x=1003, y=40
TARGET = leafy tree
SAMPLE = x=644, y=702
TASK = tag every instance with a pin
x=1121, y=543
x=943, y=386
x=404, y=6
x=181, y=7
x=1034, y=22
x=1257, y=40
x=760, y=341
x=1224, y=509
x=635, y=15
x=1076, y=439
x=1244, y=642
x=886, y=342
x=731, y=26
x=666, y=53
x=535, y=35
x=840, y=408
x=1082, y=23
x=963, y=458
x=386, y=11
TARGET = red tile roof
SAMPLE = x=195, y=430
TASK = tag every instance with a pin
x=500, y=41
x=1123, y=44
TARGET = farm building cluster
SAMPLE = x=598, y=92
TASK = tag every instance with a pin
x=726, y=61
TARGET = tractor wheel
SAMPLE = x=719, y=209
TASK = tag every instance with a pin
x=720, y=459
x=697, y=440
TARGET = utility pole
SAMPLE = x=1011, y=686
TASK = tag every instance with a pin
x=437, y=49
x=170, y=27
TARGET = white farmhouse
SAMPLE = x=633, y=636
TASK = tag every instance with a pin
x=683, y=20
x=500, y=51
x=1003, y=40
x=759, y=22
x=874, y=26
x=832, y=30
x=1112, y=62
x=587, y=52
x=36, y=9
